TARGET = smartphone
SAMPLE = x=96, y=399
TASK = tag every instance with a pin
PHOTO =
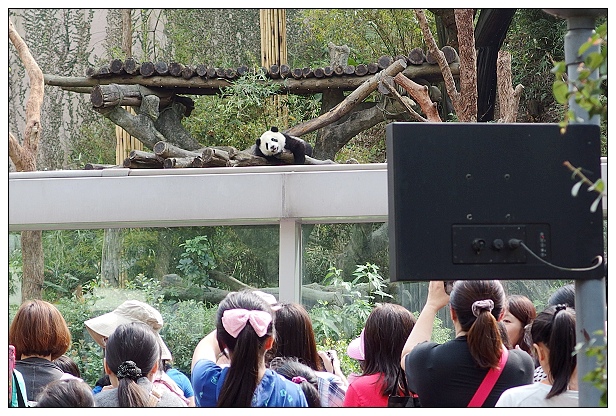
x=448, y=286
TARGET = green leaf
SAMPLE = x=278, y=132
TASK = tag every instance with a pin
x=561, y=91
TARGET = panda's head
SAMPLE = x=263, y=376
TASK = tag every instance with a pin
x=271, y=142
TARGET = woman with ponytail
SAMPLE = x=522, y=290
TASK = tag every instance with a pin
x=553, y=336
x=449, y=374
x=132, y=356
x=244, y=331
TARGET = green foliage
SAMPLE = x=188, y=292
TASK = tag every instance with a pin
x=369, y=274
x=440, y=334
x=196, y=261
x=374, y=32
x=598, y=377
x=186, y=323
x=589, y=90
x=72, y=258
x=348, y=365
x=15, y=270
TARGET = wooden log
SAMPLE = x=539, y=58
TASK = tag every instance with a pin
x=328, y=71
x=388, y=83
x=361, y=70
x=211, y=72
x=451, y=55
x=230, y=73
x=161, y=68
x=420, y=94
x=242, y=70
x=220, y=72
x=115, y=95
x=274, y=71
x=180, y=162
x=147, y=69
x=103, y=71
x=385, y=61
x=90, y=71
x=188, y=72
x=175, y=69
x=338, y=70
x=131, y=66
x=144, y=157
x=167, y=150
x=297, y=73
x=431, y=58
x=212, y=86
x=349, y=70
x=214, y=157
x=417, y=56
x=137, y=164
x=351, y=100
x=99, y=166
x=319, y=72
x=201, y=70
x=404, y=57
x=373, y=68
x=307, y=72
x=116, y=66
x=285, y=71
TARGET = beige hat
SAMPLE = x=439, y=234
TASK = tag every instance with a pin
x=129, y=311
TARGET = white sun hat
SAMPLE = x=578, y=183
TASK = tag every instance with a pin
x=129, y=311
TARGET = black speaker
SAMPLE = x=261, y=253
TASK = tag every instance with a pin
x=492, y=201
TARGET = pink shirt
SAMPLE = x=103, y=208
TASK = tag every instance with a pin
x=365, y=391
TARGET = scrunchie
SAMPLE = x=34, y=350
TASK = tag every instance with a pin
x=558, y=308
x=128, y=369
x=298, y=379
x=234, y=320
x=481, y=305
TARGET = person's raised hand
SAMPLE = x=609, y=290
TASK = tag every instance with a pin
x=437, y=297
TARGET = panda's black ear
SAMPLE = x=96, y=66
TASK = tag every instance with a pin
x=274, y=129
x=259, y=142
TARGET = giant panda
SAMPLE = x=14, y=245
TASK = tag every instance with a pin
x=273, y=142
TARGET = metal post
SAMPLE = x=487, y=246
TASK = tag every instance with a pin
x=590, y=299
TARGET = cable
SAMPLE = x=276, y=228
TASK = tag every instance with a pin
x=515, y=243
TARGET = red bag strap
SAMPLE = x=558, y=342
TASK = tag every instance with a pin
x=488, y=382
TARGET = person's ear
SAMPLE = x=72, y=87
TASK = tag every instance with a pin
x=454, y=317
x=500, y=317
x=269, y=343
x=106, y=367
x=154, y=369
x=540, y=350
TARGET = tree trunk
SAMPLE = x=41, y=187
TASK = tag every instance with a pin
x=33, y=264
x=24, y=157
x=112, y=253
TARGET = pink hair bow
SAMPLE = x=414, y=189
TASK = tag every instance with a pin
x=234, y=320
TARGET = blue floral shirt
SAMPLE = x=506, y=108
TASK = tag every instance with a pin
x=273, y=391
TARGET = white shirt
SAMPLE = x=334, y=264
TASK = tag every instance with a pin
x=533, y=395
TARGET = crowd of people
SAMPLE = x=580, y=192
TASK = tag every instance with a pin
x=264, y=354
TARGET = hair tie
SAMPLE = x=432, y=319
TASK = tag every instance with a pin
x=298, y=379
x=481, y=305
x=128, y=369
x=234, y=320
x=558, y=308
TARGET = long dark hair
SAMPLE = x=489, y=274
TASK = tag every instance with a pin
x=291, y=368
x=247, y=350
x=295, y=336
x=555, y=328
x=523, y=309
x=482, y=332
x=134, y=342
x=385, y=333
